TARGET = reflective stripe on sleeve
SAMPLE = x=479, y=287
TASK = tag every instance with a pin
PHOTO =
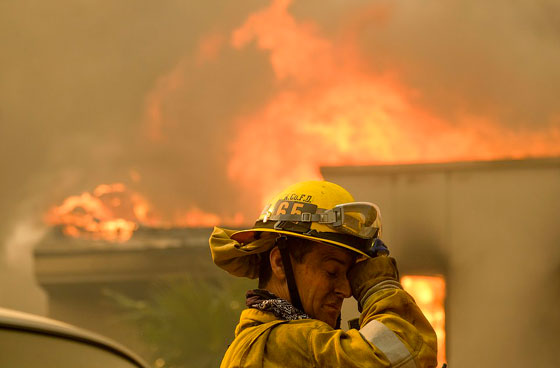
x=389, y=344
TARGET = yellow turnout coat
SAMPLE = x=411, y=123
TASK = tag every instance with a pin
x=393, y=331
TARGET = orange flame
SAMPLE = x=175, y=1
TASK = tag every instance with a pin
x=195, y=217
x=113, y=213
x=101, y=215
x=331, y=110
x=429, y=293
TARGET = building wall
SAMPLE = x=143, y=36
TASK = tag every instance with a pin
x=493, y=230
x=76, y=275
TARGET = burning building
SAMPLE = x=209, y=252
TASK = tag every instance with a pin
x=107, y=254
x=476, y=244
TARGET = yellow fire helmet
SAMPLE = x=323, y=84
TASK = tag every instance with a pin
x=315, y=210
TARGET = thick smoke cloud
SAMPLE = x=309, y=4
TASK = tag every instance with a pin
x=75, y=78
x=496, y=58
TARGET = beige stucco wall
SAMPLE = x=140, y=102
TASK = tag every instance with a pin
x=493, y=230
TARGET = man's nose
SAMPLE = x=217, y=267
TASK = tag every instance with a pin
x=343, y=287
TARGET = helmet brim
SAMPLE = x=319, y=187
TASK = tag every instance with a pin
x=247, y=236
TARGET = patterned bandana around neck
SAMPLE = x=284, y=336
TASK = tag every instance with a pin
x=265, y=301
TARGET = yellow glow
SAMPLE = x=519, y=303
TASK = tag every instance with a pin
x=429, y=293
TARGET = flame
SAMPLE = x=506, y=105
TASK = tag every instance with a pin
x=195, y=217
x=429, y=293
x=112, y=212
x=328, y=106
x=329, y=109
x=100, y=215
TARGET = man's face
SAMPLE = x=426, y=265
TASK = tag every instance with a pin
x=322, y=283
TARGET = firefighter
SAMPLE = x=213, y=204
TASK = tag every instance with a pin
x=311, y=247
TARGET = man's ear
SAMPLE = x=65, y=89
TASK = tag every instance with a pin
x=276, y=264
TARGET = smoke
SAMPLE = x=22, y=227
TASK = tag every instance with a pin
x=334, y=106
x=18, y=288
x=498, y=59
x=75, y=80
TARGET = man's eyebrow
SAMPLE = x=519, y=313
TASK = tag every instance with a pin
x=330, y=258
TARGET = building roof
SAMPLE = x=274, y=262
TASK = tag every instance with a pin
x=390, y=169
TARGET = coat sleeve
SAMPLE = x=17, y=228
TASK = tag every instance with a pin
x=393, y=331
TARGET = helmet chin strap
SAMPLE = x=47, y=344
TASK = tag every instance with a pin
x=281, y=242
